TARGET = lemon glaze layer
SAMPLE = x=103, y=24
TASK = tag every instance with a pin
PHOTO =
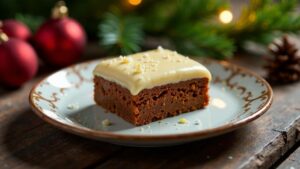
x=149, y=69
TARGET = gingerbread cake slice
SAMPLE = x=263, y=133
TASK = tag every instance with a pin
x=152, y=85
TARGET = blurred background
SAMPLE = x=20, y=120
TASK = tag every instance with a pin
x=66, y=32
x=192, y=27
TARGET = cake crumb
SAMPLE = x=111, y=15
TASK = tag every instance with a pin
x=106, y=123
x=165, y=57
x=137, y=69
x=145, y=55
x=182, y=121
x=140, y=79
x=230, y=157
x=124, y=60
x=160, y=49
x=193, y=87
x=107, y=64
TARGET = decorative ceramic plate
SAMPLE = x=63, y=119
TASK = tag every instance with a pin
x=65, y=100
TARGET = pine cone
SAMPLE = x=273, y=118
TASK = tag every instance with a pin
x=285, y=66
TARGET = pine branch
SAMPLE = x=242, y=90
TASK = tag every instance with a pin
x=157, y=13
x=265, y=20
x=121, y=34
x=192, y=26
x=33, y=22
x=182, y=23
x=201, y=41
x=193, y=32
x=191, y=10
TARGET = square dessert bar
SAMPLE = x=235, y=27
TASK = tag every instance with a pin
x=152, y=85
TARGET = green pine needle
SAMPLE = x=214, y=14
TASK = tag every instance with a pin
x=262, y=22
x=194, y=10
x=192, y=26
x=199, y=40
x=122, y=33
x=193, y=34
x=33, y=22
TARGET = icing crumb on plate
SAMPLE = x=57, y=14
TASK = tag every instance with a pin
x=106, y=123
x=182, y=121
x=72, y=106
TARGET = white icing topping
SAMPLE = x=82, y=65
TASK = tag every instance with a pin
x=149, y=69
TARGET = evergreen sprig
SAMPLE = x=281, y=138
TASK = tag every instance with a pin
x=262, y=21
x=32, y=21
x=121, y=34
x=192, y=32
x=193, y=11
x=199, y=40
x=192, y=26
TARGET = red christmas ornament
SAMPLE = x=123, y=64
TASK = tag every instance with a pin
x=60, y=40
x=15, y=29
x=18, y=61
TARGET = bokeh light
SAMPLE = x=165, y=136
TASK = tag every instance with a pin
x=134, y=2
x=226, y=16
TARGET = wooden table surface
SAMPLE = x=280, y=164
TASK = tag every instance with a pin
x=270, y=141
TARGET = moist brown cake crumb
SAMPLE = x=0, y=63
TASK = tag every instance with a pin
x=151, y=104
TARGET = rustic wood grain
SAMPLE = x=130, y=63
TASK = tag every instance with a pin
x=28, y=142
x=292, y=162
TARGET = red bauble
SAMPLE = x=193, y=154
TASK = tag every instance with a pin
x=60, y=41
x=15, y=29
x=18, y=62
